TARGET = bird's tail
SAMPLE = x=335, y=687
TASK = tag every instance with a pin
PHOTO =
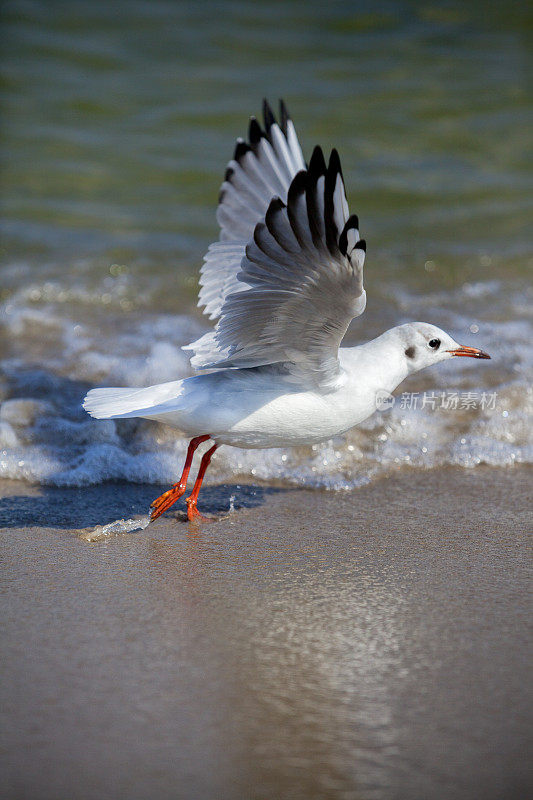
x=116, y=403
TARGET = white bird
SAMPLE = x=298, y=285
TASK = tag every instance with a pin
x=283, y=282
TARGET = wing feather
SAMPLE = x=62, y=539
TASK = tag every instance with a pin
x=260, y=170
x=299, y=284
x=218, y=276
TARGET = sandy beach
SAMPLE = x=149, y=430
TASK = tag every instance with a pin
x=311, y=644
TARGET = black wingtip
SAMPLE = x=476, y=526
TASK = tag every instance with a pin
x=335, y=163
x=351, y=224
x=284, y=116
x=241, y=148
x=317, y=165
x=298, y=186
x=333, y=170
x=361, y=245
x=275, y=205
x=268, y=115
x=254, y=131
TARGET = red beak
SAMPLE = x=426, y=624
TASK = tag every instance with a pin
x=471, y=352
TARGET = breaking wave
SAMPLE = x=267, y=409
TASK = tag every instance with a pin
x=462, y=414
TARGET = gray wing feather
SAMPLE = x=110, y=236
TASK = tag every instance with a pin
x=259, y=170
x=300, y=283
x=218, y=275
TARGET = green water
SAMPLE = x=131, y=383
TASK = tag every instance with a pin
x=118, y=119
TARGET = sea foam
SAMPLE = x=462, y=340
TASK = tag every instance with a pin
x=46, y=437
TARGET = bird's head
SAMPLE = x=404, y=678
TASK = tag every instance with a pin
x=424, y=344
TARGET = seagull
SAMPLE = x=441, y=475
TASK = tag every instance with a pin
x=283, y=283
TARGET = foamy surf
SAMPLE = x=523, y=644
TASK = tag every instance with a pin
x=46, y=438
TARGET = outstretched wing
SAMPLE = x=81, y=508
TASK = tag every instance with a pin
x=260, y=169
x=299, y=286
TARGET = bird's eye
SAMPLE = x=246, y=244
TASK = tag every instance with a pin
x=434, y=344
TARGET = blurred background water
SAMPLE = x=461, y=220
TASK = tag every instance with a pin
x=117, y=121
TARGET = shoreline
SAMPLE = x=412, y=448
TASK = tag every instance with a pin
x=79, y=509
x=311, y=644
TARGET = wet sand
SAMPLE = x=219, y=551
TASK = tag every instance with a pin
x=370, y=644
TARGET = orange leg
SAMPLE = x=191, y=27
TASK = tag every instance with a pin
x=192, y=511
x=161, y=504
